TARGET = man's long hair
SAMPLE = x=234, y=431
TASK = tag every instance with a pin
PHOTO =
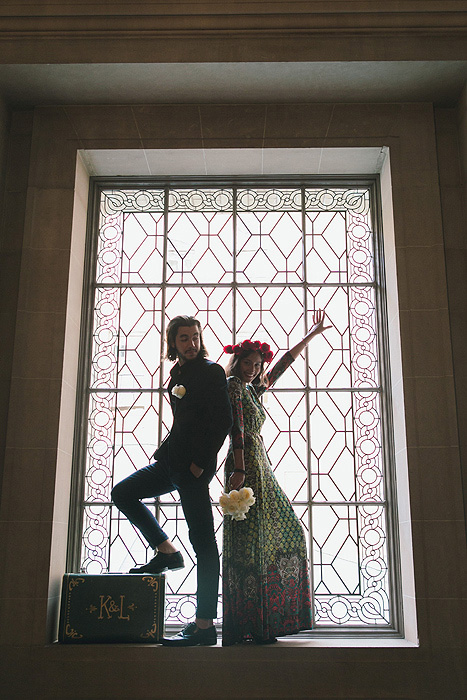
x=171, y=334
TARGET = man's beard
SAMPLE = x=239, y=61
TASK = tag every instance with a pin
x=190, y=357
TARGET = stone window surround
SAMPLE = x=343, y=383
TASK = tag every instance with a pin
x=403, y=167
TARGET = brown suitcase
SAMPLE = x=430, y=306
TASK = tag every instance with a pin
x=112, y=608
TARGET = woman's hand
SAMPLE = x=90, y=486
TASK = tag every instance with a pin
x=317, y=328
x=236, y=479
x=318, y=324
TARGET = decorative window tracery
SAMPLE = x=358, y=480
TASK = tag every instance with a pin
x=258, y=260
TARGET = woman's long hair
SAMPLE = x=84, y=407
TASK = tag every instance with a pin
x=171, y=334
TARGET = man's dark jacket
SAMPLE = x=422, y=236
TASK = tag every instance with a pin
x=201, y=419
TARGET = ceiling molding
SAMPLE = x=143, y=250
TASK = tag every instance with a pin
x=150, y=32
x=375, y=21
x=147, y=8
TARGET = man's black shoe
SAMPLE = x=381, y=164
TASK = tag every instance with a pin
x=192, y=636
x=161, y=562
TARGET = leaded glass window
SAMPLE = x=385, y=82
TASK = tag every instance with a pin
x=248, y=262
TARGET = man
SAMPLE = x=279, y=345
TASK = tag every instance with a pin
x=186, y=461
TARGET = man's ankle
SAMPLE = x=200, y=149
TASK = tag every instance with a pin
x=166, y=549
x=203, y=624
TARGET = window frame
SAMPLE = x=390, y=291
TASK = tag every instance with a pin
x=97, y=184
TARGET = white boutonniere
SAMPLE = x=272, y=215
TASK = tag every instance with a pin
x=237, y=503
x=179, y=391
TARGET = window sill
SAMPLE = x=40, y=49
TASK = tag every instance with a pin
x=341, y=642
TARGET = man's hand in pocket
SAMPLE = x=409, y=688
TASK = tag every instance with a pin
x=195, y=470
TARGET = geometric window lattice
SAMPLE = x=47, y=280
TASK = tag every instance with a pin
x=248, y=262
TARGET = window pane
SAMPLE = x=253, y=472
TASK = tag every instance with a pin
x=199, y=247
x=285, y=438
x=350, y=565
x=345, y=447
x=130, y=242
x=269, y=246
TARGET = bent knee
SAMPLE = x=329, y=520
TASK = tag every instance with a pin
x=119, y=494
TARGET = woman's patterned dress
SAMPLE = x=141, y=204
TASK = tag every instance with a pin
x=265, y=584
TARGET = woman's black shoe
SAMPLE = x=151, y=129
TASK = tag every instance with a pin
x=270, y=640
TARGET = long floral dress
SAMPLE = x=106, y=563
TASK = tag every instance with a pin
x=265, y=583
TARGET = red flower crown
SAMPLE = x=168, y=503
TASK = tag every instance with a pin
x=251, y=346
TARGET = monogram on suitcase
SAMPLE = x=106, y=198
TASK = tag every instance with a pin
x=112, y=608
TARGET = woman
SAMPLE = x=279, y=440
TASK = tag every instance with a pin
x=265, y=582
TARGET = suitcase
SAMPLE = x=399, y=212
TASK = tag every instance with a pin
x=112, y=608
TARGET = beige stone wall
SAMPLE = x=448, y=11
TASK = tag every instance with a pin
x=42, y=233
x=40, y=428
x=451, y=128
x=14, y=169
x=5, y=366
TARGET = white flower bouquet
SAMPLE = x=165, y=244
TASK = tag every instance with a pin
x=179, y=391
x=237, y=503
